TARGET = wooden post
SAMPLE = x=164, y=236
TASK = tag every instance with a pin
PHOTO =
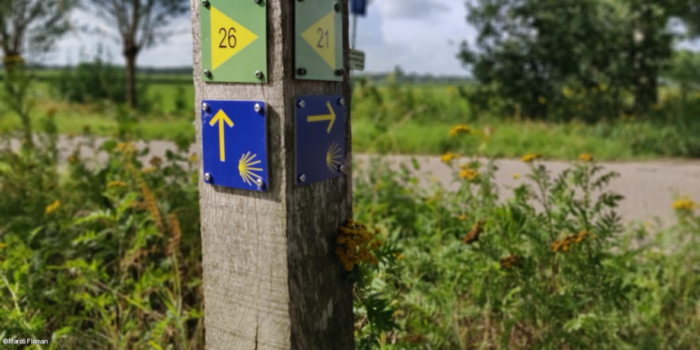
x=271, y=278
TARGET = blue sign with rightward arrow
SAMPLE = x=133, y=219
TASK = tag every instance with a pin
x=234, y=144
x=320, y=138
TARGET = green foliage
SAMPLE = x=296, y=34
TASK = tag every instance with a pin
x=96, y=81
x=531, y=52
x=551, y=267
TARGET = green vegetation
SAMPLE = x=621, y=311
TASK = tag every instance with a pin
x=396, y=118
x=105, y=255
x=472, y=272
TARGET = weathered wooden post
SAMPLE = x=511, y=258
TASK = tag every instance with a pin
x=272, y=95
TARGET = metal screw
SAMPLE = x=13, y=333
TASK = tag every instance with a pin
x=207, y=177
x=207, y=73
x=337, y=7
x=205, y=107
x=301, y=71
x=301, y=104
x=205, y=3
x=340, y=72
x=259, y=182
x=258, y=74
x=341, y=168
x=302, y=178
x=257, y=108
x=341, y=102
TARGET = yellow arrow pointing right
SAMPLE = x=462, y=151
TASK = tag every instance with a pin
x=325, y=117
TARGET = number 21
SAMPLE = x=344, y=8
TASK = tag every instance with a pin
x=320, y=40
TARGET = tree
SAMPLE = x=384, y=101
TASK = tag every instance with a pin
x=139, y=24
x=531, y=52
x=33, y=24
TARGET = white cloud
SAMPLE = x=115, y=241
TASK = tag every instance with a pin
x=412, y=9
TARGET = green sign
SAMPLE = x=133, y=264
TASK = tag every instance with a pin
x=234, y=41
x=319, y=40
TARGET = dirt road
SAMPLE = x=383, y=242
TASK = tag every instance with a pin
x=649, y=188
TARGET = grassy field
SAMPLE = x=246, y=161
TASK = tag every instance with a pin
x=394, y=119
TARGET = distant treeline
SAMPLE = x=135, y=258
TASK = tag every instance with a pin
x=180, y=75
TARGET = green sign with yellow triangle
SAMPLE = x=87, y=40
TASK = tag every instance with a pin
x=233, y=41
x=319, y=40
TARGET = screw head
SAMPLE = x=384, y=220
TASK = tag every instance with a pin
x=301, y=104
x=205, y=107
x=207, y=73
x=205, y=3
x=340, y=72
x=258, y=74
x=257, y=108
x=302, y=178
x=341, y=168
x=259, y=182
x=207, y=177
x=341, y=102
x=337, y=7
x=301, y=71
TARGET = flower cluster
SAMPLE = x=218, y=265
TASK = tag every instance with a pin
x=530, y=157
x=567, y=243
x=356, y=244
x=448, y=157
x=585, y=157
x=511, y=261
x=683, y=205
x=460, y=129
x=468, y=172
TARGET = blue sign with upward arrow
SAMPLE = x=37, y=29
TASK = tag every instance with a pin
x=320, y=138
x=234, y=144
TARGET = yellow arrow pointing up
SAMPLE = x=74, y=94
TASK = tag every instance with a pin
x=221, y=118
x=325, y=117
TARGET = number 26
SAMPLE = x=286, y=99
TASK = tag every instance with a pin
x=231, y=35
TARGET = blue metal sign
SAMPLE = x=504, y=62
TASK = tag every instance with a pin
x=358, y=7
x=320, y=138
x=234, y=144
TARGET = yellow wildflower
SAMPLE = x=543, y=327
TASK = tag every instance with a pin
x=469, y=174
x=193, y=158
x=3, y=245
x=340, y=239
x=530, y=157
x=116, y=184
x=53, y=207
x=542, y=100
x=585, y=157
x=448, y=157
x=462, y=217
x=458, y=129
x=516, y=176
x=683, y=205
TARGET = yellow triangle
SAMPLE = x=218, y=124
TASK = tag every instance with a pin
x=228, y=38
x=321, y=37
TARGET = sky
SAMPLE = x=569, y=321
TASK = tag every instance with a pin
x=420, y=36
